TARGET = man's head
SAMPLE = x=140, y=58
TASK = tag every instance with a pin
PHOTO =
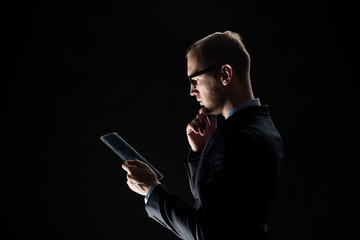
x=219, y=68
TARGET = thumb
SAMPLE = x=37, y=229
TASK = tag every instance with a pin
x=125, y=166
x=136, y=163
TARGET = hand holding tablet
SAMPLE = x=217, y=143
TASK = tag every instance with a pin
x=125, y=151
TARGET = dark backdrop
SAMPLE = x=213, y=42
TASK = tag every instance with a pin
x=78, y=71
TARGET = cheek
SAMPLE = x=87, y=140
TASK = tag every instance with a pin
x=205, y=93
x=202, y=88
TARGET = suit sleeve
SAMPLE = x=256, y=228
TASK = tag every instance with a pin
x=173, y=213
x=227, y=195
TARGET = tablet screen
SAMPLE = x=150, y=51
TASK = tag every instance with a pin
x=125, y=151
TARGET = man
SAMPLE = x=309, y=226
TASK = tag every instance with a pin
x=234, y=168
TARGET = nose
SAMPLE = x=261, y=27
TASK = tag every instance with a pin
x=192, y=90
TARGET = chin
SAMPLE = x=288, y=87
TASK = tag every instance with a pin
x=212, y=111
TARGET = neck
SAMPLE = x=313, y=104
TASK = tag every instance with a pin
x=236, y=99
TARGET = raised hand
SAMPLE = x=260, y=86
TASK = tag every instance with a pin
x=200, y=129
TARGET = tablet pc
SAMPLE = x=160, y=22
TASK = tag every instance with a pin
x=125, y=151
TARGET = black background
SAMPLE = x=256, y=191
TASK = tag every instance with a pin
x=78, y=71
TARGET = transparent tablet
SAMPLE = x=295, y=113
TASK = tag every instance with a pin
x=125, y=151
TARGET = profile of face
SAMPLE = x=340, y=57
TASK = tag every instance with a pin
x=208, y=90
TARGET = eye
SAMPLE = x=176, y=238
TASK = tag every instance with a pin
x=192, y=82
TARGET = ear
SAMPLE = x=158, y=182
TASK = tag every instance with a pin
x=226, y=74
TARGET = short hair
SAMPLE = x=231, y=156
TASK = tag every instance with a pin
x=222, y=48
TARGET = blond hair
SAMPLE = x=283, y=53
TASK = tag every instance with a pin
x=222, y=48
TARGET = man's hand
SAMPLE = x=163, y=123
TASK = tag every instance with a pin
x=199, y=130
x=140, y=177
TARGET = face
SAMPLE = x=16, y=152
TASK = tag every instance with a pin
x=209, y=91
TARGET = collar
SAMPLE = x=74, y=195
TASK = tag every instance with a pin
x=248, y=103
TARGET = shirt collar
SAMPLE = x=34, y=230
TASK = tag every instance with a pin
x=248, y=103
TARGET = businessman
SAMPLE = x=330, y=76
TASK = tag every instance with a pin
x=233, y=168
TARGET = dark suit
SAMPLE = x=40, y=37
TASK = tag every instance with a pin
x=233, y=183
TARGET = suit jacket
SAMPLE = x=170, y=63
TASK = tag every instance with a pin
x=233, y=182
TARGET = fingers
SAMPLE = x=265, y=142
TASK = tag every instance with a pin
x=204, y=112
x=213, y=121
x=198, y=126
x=139, y=176
x=200, y=123
x=131, y=164
x=129, y=167
x=125, y=166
